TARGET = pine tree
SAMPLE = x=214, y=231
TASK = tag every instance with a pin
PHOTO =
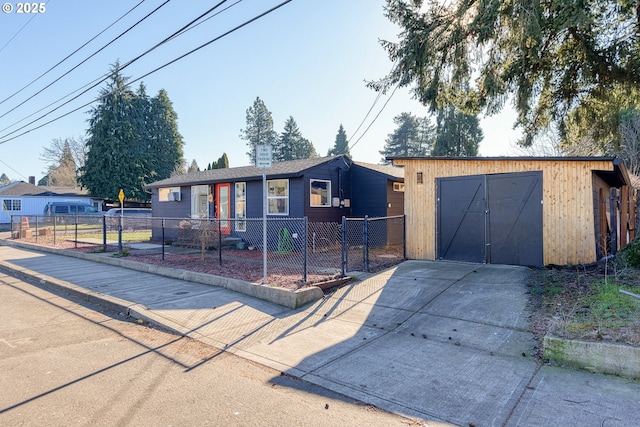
x=223, y=162
x=341, y=145
x=259, y=130
x=458, y=134
x=193, y=167
x=292, y=145
x=64, y=173
x=133, y=140
x=549, y=57
x=411, y=138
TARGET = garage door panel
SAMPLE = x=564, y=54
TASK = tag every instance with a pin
x=491, y=218
x=463, y=201
x=515, y=218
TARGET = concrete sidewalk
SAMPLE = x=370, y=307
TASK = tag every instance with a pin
x=433, y=340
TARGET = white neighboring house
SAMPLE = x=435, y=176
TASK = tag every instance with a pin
x=23, y=198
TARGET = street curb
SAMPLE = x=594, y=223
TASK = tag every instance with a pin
x=284, y=297
x=50, y=283
x=601, y=357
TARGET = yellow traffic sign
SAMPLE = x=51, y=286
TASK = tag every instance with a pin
x=121, y=196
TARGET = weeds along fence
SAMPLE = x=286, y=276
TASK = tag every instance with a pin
x=294, y=246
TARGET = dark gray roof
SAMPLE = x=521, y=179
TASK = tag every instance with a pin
x=21, y=188
x=279, y=169
x=391, y=171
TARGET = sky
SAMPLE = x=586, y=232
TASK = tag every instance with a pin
x=309, y=59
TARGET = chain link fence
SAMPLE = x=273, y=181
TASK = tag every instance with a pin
x=295, y=247
x=371, y=244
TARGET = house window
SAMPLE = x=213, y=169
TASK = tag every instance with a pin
x=12, y=205
x=278, y=196
x=398, y=186
x=241, y=206
x=320, y=195
x=168, y=194
x=419, y=178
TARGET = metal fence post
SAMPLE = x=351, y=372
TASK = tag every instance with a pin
x=54, y=230
x=119, y=233
x=76, y=234
x=220, y=242
x=104, y=233
x=365, y=242
x=304, y=250
x=162, y=224
x=345, y=251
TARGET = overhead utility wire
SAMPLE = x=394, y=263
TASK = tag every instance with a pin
x=100, y=80
x=376, y=117
x=375, y=101
x=157, y=69
x=71, y=54
x=20, y=30
x=213, y=40
x=86, y=59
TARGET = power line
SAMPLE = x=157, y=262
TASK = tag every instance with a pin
x=375, y=101
x=376, y=117
x=139, y=78
x=20, y=30
x=86, y=59
x=9, y=166
x=68, y=56
x=104, y=77
x=100, y=80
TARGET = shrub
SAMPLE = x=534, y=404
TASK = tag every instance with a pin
x=630, y=254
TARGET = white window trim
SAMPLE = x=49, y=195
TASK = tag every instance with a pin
x=241, y=224
x=13, y=205
x=328, y=205
x=269, y=198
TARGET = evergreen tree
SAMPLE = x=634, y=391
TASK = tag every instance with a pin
x=292, y=145
x=341, y=145
x=259, y=130
x=412, y=138
x=64, y=174
x=4, y=180
x=166, y=141
x=65, y=148
x=458, y=134
x=549, y=56
x=133, y=140
x=223, y=162
x=193, y=167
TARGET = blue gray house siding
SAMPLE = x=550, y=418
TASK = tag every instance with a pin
x=373, y=193
x=366, y=189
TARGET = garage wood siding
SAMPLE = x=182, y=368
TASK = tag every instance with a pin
x=568, y=211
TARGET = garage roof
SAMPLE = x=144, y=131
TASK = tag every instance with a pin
x=618, y=177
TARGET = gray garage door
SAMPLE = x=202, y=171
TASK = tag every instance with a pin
x=491, y=218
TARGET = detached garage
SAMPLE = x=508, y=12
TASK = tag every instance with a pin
x=517, y=210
